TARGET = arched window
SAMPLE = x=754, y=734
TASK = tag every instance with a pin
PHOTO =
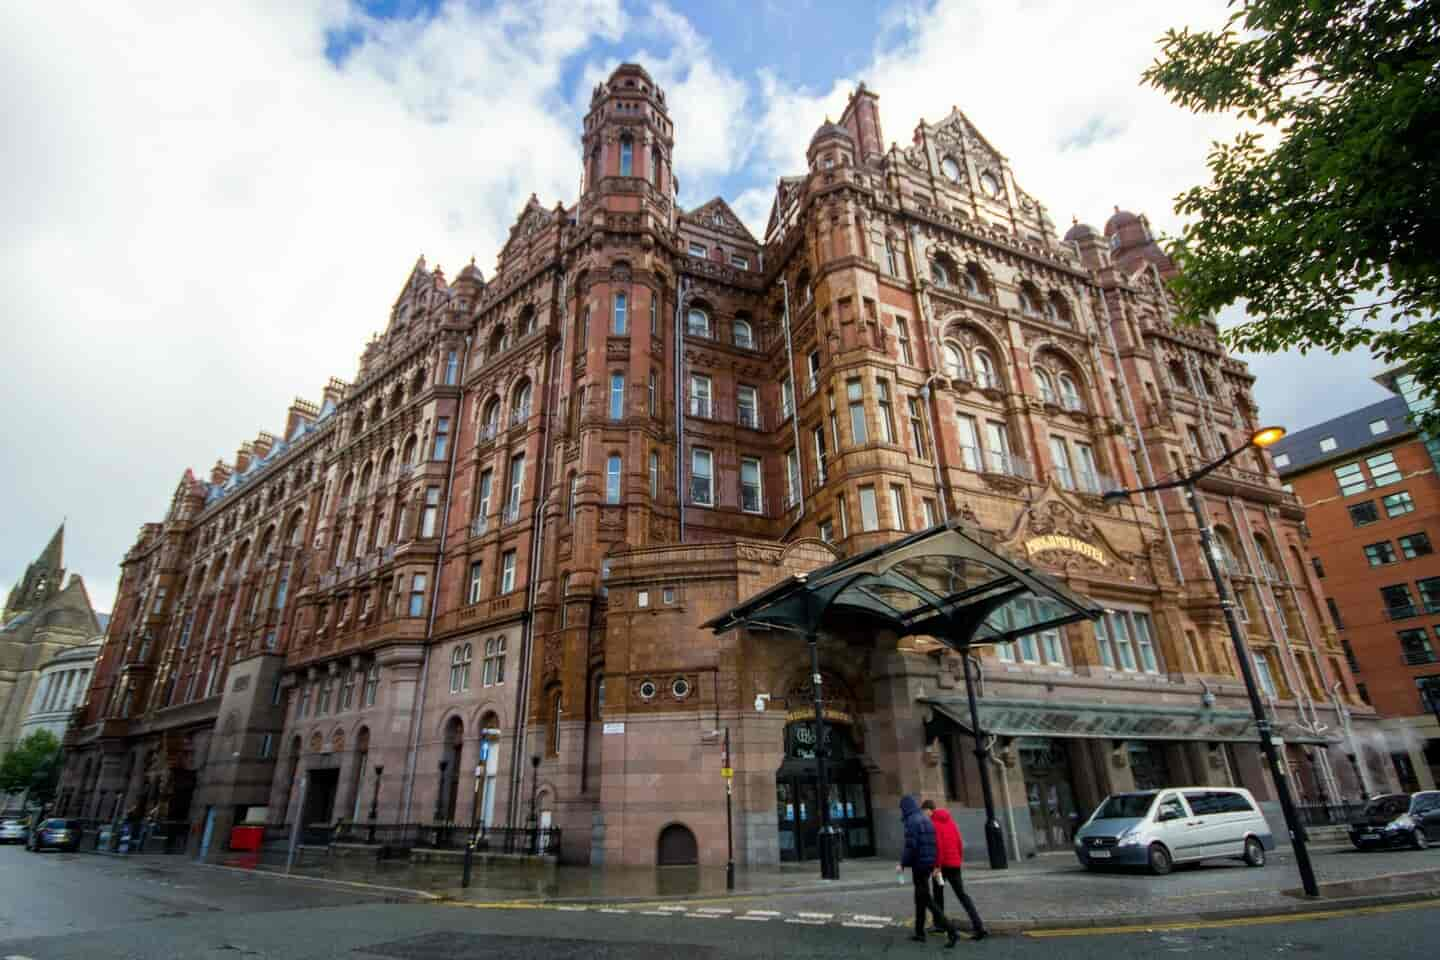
x=490, y=419
x=1029, y=300
x=939, y=273
x=520, y=403
x=492, y=670
x=974, y=280
x=1069, y=392
x=1047, y=386
x=955, y=367
x=573, y=497
x=744, y=334
x=1058, y=311
x=654, y=474
x=460, y=668
x=612, y=478
x=655, y=166
x=985, y=375
x=697, y=323
x=499, y=340
x=627, y=152
x=594, y=168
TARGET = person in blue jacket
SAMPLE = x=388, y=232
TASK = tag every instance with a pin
x=922, y=856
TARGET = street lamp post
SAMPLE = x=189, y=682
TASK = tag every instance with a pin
x=829, y=839
x=994, y=837
x=1261, y=438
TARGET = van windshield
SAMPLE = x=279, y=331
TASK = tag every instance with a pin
x=1125, y=806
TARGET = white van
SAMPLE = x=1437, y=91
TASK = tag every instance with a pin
x=1160, y=828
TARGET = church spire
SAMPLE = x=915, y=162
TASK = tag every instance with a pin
x=43, y=579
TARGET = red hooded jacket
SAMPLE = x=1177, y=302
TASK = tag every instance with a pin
x=950, y=847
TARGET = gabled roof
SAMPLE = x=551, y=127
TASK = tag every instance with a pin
x=715, y=214
x=533, y=218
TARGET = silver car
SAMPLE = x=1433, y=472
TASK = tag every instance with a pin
x=1160, y=828
x=14, y=830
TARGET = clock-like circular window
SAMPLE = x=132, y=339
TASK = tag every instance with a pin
x=680, y=688
x=950, y=168
x=990, y=184
x=648, y=690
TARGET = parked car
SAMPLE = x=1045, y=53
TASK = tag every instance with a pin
x=14, y=830
x=1160, y=828
x=56, y=834
x=1398, y=819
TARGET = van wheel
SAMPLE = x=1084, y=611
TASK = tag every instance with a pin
x=1160, y=862
x=1417, y=839
x=1254, y=853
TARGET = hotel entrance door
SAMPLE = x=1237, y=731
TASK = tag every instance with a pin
x=1053, y=814
x=796, y=794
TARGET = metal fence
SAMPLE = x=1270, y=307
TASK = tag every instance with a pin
x=397, y=839
x=1329, y=814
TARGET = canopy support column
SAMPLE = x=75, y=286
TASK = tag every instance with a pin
x=829, y=838
x=994, y=837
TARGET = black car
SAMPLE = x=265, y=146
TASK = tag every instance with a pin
x=1398, y=819
x=56, y=834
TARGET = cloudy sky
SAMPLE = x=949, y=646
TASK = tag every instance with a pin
x=207, y=213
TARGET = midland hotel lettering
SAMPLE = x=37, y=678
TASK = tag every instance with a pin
x=467, y=585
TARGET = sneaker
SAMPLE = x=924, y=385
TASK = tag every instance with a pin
x=953, y=937
x=980, y=934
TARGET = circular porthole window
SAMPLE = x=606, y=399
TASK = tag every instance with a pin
x=990, y=184
x=950, y=168
x=680, y=688
x=648, y=690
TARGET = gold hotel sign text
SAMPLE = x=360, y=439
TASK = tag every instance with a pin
x=1059, y=541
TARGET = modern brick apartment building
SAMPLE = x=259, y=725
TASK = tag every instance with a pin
x=1372, y=500
x=482, y=566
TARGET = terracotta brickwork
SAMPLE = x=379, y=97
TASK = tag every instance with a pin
x=509, y=528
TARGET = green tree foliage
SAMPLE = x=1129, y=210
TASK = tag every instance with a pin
x=1324, y=216
x=36, y=754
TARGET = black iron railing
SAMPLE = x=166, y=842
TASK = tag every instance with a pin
x=1329, y=814
x=395, y=839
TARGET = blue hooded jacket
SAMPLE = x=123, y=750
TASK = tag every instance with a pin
x=920, y=852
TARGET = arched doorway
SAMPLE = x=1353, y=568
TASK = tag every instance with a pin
x=677, y=847
x=797, y=785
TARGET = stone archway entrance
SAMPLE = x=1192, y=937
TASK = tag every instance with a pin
x=796, y=791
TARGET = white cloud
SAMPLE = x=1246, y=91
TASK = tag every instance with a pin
x=205, y=217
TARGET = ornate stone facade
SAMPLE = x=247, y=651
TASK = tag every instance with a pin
x=501, y=539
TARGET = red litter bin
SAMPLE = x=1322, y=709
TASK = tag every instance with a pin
x=247, y=838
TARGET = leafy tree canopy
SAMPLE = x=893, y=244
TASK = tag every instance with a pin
x=1324, y=216
x=30, y=756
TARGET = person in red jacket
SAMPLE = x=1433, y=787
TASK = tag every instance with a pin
x=950, y=857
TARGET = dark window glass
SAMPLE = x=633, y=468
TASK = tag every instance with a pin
x=1379, y=554
x=1319, y=567
x=1334, y=613
x=1398, y=602
x=1364, y=514
x=1415, y=545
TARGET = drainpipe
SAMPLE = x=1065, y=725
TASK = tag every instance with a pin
x=416, y=721
x=1360, y=765
x=794, y=410
x=681, y=295
x=1005, y=793
x=527, y=625
x=934, y=446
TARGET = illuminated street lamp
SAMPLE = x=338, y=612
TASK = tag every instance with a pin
x=1264, y=437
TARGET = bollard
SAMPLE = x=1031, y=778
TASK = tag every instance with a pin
x=469, y=862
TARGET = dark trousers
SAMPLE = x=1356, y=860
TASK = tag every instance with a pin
x=924, y=901
x=952, y=877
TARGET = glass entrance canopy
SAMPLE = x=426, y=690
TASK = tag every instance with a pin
x=941, y=582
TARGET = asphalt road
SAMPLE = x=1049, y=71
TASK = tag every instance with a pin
x=68, y=907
